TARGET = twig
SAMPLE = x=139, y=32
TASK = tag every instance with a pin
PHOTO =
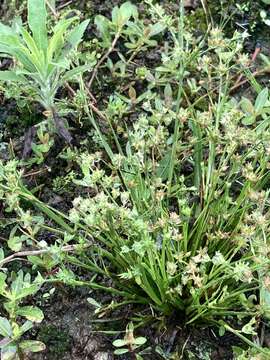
x=255, y=74
x=16, y=255
x=104, y=57
x=207, y=12
x=73, y=93
x=69, y=88
x=64, y=5
x=98, y=112
x=92, y=96
x=37, y=172
x=52, y=9
x=92, y=106
x=184, y=346
x=253, y=58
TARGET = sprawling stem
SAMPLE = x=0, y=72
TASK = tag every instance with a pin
x=103, y=58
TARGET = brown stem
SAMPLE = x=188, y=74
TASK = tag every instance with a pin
x=104, y=57
x=60, y=127
x=33, y=173
x=254, y=74
x=52, y=9
x=62, y=6
x=67, y=248
x=92, y=106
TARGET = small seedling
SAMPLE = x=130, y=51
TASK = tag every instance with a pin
x=42, y=146
x=129, y=344
x=12, y=328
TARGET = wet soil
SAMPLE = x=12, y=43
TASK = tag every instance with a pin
x=72, y=331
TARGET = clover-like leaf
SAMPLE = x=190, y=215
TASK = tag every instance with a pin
x=31, y=313
x=32, y=346
x=5, y=327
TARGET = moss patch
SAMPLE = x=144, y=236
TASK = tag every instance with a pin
x=57, y=340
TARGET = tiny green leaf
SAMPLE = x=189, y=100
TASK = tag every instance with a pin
x=140, y=340
x=128, y=10
x=156, y=29
x=93, y=302
x=120, y=343
x=248, y=120
x=261, y=100
x=103, y=26
x=5, y=327
x=32, y=346
x=71, y=74
x=221, y=330
x=247, y=106
x=26, y=326
x=9, y=352
x=120, y=351
x=76, y=34
x=57, y=40
x=37, y=17
x=31, y=313
x=15, y=243
x=249, y=327
x=120, y=16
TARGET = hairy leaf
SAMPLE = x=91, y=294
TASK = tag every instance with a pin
x=103, y=26
x=76, y=34
x=9, y=75
x=31, y=313
x=74, y=72
x=261, y=100
x=5, y=327
x=32, y=346
x=57, y=40
x=37, y=17
x=9, y=352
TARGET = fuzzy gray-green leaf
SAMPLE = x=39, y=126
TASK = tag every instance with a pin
x=37, y=18
x=5, y=327
x=76, y=34
x=9, y=75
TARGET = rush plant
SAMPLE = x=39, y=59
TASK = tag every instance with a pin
x=175, y=216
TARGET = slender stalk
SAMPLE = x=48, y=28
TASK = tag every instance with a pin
x=67, y=248
x=103, y=58
x=260, y=349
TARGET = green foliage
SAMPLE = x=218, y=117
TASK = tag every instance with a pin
x=260, y=108
x=12, y=328
x=175, y=211
x=129, y=344
x=43, y=63
x=42, y=147
x=120, y=17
